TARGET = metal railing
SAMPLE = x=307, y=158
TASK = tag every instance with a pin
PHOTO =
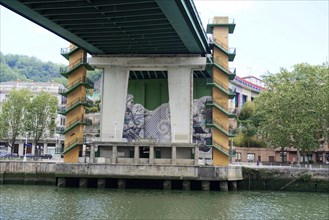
x=230, y=71
x=72, y=65
x=67, y=50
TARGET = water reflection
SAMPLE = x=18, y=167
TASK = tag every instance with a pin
x=47, y=202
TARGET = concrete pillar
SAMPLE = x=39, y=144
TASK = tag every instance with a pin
x=233, y=185
x=167, y=184
x=205, y=185
x=83, y=183
x=186, y=185
x=114, y=154
x=115, y=81
x=21, y=148
x=180, y=85
x=136, y=154
x=121, y=183
x=196, y=155
x=101, y=183
x=61, y=182
x=223, y=186
x=92, y=154
x=173, y=154
x=151, y=155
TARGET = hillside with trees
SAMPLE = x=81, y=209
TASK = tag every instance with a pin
x=22, y=67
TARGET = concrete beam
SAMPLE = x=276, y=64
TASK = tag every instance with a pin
x=148, y=63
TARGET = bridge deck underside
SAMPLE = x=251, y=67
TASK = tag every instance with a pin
x=120, y=26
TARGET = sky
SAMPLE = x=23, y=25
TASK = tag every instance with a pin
x=269, y=35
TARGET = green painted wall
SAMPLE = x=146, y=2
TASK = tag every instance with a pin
x=200, y=88
x=151, y=93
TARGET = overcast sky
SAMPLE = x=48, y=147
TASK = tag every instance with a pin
x=268, y=34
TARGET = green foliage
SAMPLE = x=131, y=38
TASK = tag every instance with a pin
x=13, y=67
x=40, y=117
x=248, y=123
x=22, y=112
x=12, y=115
x=294, y=109
x=94, y=75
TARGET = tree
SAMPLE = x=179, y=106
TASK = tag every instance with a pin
x=40, y=117
x=12, y=115
x=292, y=107
x=248, y=123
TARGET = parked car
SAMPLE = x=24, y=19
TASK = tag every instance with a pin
x=8, y=155
x=46, y=156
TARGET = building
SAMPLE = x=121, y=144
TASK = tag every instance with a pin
x=245, y=90
x=45, y=146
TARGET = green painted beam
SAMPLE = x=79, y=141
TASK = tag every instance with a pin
x=178, y=22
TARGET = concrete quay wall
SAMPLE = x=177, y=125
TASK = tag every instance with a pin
x=48, y=172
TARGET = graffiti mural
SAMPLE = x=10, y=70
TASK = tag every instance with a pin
x=141, y=123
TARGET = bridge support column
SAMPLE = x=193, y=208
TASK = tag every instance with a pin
x=83, y=183
x=136, y=155
x=173, y=155
x=180, y=85
x=186, y=185
x=223, y=186
x=114, y=154
x=196, y=155
x=101, y=183
x=205, y=185
x=233, y=185
x=151, y=155
x=61, y=182
x=167, y=184
x=121, y=183
x=114, y=94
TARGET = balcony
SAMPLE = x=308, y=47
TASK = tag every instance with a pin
x=221, y=23
x=220, y=127
x=77, y=121
x=60, y=130
x=74, y=104
x=66, y=71
x=217, y=104
x=230, y=72
x=68, y=51
x=225, y=89
x=229, y=51
x=72, y=144
x=85, y=81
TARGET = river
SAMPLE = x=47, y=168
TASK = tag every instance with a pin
x=50, y=202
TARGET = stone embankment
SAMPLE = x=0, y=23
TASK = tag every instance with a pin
x=285, y=178
x=85, y=174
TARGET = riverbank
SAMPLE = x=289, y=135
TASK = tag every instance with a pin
x=285, y=178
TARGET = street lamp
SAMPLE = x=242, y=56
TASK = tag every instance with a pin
x=24, y=159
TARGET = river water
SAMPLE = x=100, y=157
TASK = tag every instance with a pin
x=50, y=202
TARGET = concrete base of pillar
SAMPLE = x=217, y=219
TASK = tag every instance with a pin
x=167, y=184
x=205, y=185
x=61, y=182
x=223, y=186
x=233, y=185
x=83, y=183
x=101, y=183
x=186, y=185
x=121, y=183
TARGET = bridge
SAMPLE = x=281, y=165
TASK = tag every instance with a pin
x=120, y=26
x=162, y=78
